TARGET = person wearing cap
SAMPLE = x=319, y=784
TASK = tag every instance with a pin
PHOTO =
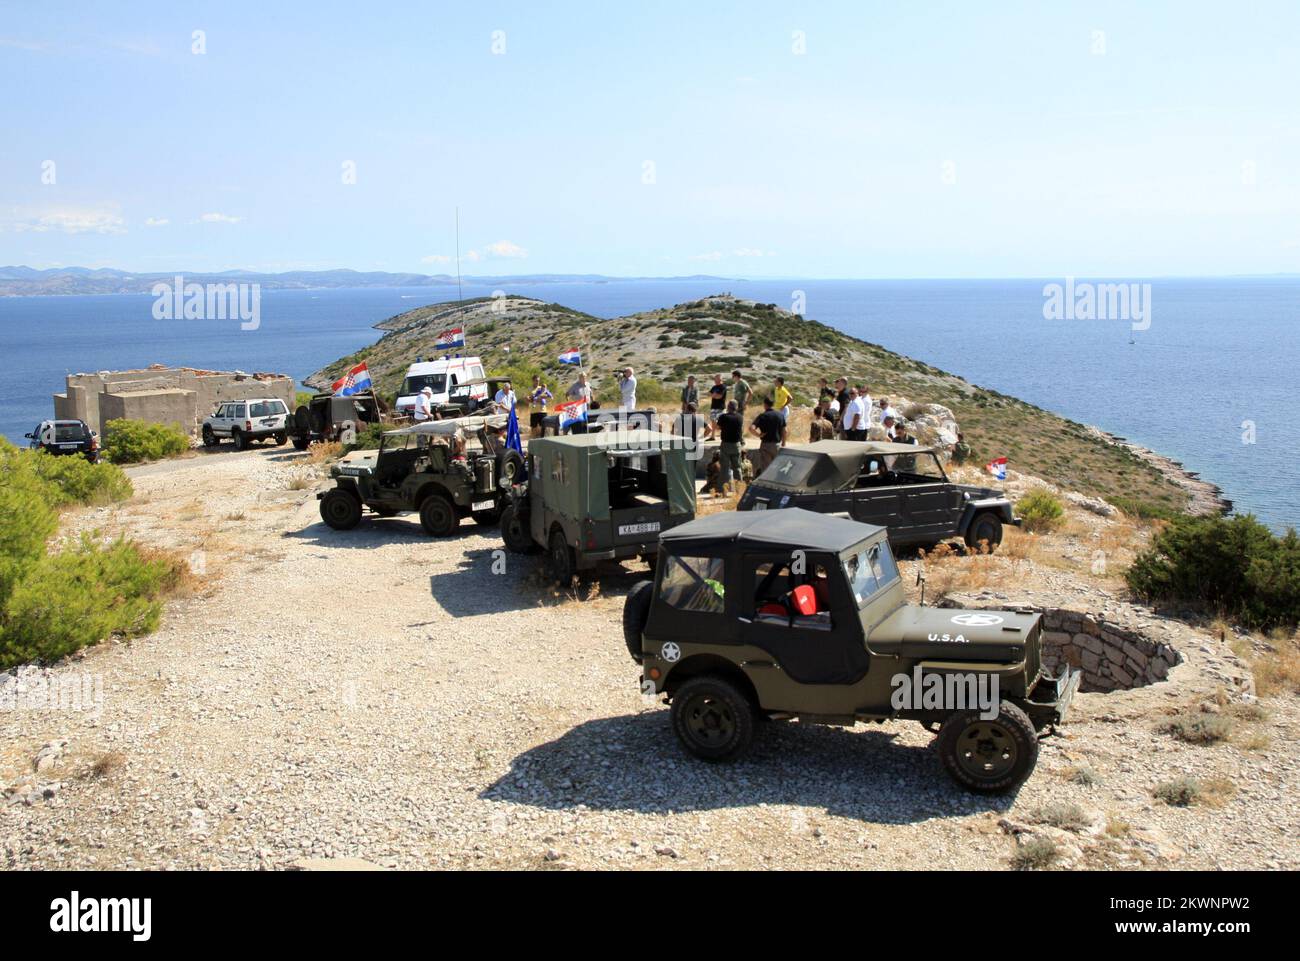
x=423, y=405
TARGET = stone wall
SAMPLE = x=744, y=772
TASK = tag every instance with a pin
x=1113, y=658
x=85, y=396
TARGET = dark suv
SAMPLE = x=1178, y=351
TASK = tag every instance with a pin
x=66, y=437
x=899, y=486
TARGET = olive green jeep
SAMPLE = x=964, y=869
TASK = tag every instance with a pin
x=792, y=614
x=598, y=497
x=444, y=469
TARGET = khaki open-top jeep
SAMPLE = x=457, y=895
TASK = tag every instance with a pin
x=445, y=469
x=598, y=497
x=792, y=614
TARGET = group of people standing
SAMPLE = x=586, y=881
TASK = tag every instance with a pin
x=846, y=411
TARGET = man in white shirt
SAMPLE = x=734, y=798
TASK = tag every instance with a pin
x=423, y=405
x=579, y=389
x=864, y=402
x=887, y=411
x=627, y=389
x=506, y=395
x=849, y=417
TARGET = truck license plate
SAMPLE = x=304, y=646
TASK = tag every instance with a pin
x=626, y=529
x=482, y=505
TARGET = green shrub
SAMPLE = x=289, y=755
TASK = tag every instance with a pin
x=133, y=441
x=1200, y=728
x=81, y=596
x=1035, y=854
x=1236, y=566
x=27, y=521
x=1179, y=792
x=77, y=481
x=1040, y=510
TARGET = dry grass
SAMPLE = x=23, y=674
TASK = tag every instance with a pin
x=1200, y=728
x=1184, y=791
x=104, y=765
x=1063, y=815
x=1277, y=668
x=324, y=452
x=301, y=482
x=1035, y=855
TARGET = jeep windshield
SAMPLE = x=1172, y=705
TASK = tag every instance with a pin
x=413, y=385
x=870, y=571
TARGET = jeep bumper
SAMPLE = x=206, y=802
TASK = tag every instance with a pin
x=1049, y=700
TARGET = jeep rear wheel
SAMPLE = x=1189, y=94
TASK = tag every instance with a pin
x=237, y=435
x=989, y=756
x=209, y=438
x=712, y=718
x=560, y=559
x=437, y=516
x=986, y=528
x=515, y=532
x=340, y=509
x=636, y=611
x=280, y=438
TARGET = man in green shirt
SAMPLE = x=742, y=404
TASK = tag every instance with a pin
x=740, y=391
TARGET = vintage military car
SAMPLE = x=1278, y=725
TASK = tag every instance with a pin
x=791, y=614
x=445, y=469
x=327, y=416
x=899, y=486
x=595, y=497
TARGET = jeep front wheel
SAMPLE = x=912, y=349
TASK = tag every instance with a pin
x=561, y=560
x=986, y=528
x=989, y=756
x=241, y=442
x=209, y=438
x=514, y=530
x=712, y=718
x=437, y=516
x=340, y=509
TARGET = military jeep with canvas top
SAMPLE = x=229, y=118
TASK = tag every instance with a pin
x=445, y=469
x=790, y=614
x=596, y=497
x=899, y=486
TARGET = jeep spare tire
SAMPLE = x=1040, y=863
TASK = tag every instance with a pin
x=340, y=509
x=636, y=611
x=510, y=467
x=515, y=530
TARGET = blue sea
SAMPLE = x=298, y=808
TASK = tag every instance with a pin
x=1212, y=382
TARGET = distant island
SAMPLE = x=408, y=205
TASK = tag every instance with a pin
x=28, y=281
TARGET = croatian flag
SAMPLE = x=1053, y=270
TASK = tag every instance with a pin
x=998, y=468
x=571, y=357
x=354, y=381
x=450, y=338
x=574, y=412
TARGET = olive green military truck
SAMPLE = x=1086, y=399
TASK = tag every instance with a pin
x=792, y=614
x=590, y=498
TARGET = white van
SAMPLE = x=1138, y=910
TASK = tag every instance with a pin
x=442, y=377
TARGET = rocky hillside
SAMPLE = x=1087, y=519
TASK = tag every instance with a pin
x=716, y=334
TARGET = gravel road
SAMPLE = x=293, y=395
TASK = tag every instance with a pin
x=376, y=694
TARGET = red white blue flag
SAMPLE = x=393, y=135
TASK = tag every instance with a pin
x=573, y=357
x=574, y=412
x=354, y=381
x=450, y=338
x=998, y=468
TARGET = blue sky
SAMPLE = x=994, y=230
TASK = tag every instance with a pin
x=906, y=140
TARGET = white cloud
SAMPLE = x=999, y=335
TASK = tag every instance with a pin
x=504, y=248
x=473, y=256
x=218, y=219
x=751, y=252
x=68, y=220
x=711, y=255
x=436, y=259
x=156, y=222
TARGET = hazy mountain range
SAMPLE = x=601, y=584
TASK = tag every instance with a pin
x=27, y=281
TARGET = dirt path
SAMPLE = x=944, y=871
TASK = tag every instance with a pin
x=380, y=695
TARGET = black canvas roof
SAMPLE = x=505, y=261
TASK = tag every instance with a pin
x=827, y=465
x=791, y=528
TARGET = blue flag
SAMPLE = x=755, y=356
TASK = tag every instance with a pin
x=514, y=441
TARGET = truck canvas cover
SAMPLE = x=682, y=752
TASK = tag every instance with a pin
x=577, y=469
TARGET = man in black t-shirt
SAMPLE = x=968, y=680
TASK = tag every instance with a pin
x=717, y=398
x=769, y=427
x=731, y=430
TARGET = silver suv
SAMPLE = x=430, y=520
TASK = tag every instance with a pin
x=244, y=421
